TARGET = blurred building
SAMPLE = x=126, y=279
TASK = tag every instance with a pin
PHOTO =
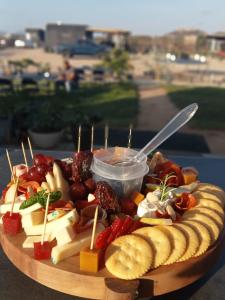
x=57, y=33
x=216, y=42
x=35, y=36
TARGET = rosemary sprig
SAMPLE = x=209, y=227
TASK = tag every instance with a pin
x=164, y=186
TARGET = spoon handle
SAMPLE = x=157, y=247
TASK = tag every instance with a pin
x=171, y=127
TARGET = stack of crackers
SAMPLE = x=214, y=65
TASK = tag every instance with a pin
x=131, y=256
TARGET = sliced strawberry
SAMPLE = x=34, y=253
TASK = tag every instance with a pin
x=128, y=222
x=136, y=225
x=116, y=227
x=101, y=240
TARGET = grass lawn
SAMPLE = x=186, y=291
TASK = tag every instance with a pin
x=211, y=113
x=114, y=103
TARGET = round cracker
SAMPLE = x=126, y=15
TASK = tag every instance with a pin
x=192, y=241
x=203, y=235
x=209, y=213
x=158, y=241
x=211, y=225
x=211, y=188
x=202, y=194
x=128, y=257
x=178, y=240
x=215, y=206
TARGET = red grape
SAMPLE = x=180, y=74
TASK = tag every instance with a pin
x=42, y=169
x=78, y=191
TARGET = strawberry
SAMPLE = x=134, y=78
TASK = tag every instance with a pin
x=116, y=227
x=127, y=224
x=102, y=238
x=137, y=224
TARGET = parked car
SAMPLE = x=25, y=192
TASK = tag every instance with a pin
x=82, y=47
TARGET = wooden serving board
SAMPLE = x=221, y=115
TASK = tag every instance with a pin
x=67, y=278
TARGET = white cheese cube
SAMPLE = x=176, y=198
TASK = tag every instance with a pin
x=65, y=235
x=81, y=240
x=29, y=209
x=7, y=207
x=34, y=218
x=55, y=214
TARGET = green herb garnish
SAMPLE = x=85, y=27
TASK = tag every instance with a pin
x=41, y=198
x=164, y=188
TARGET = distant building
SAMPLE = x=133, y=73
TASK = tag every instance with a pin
x=35, y=36
x=216, y=42
x=57, y=33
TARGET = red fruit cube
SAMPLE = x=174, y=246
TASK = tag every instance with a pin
x=12, y=223
x=42, y=251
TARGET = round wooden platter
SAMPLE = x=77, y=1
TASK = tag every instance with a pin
x=67, y=278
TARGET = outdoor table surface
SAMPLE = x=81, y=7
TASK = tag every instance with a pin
x=14, y=284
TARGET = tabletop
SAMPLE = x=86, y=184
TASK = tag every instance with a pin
x=15, y=285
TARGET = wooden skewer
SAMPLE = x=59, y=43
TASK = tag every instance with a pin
x=30, y=147
x=45, y=220
x=14, y=197
x=94, y=228
x=106, y=136
x=130, y=136
x=92, y=138
x=24, y=154
x=10, y=165
x=79, y=139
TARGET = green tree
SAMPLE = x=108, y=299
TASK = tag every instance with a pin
x=118, y=62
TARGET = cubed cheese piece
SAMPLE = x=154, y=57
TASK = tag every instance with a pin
x=7, y=207
x=65, y=235
x=55, y=214
x=137, y=197
x=34, y=218
x=90, y=259
x=51, y=182
x=81, y=241
x=30, y=240
x=54, y=225
x=29, y=209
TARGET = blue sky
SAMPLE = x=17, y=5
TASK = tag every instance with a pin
x=139, y=16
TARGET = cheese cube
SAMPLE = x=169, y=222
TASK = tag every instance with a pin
x=34, y=218
x=90, y=260
x=54, y=225
x=81, y=240
x=29, y=209
x=56, y=214
x=7, y=207
x=65, y=235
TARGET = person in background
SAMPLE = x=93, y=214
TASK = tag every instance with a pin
x=70, y=76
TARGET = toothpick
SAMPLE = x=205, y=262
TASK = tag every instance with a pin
x=10, y=165
x=30, y=147
x=24, y=154
x=94, y=228
x=106, y=136
x=14, y=196
x=79, y=138
x=45, y=220
x=130, y=136
x=92, y=138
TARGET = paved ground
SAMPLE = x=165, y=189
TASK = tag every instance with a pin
x=156, y=109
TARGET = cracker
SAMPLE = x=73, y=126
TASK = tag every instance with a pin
x=211, y=188
x=128, y=257
x=207, y=221
x=178, y=240
x=192, y=241
x=207, y=195
x=215, y=206
x=203, y=235
x=209, y=213
x=159, y=242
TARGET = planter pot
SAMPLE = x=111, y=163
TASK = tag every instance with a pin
x=46, y=140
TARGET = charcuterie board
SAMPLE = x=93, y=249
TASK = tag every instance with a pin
x=66, y=276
